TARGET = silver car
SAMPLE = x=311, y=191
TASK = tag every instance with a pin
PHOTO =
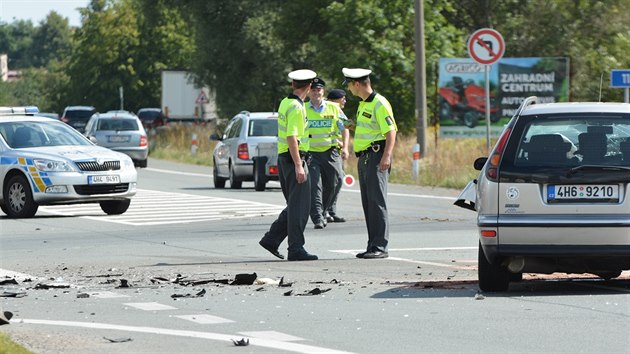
x=120, y=131
x=553, y=195
x=238, y=156
x=44, y=162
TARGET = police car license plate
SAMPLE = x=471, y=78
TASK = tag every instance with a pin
x=107, y=179
x=583, y=191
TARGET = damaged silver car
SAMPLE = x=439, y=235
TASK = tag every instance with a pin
x=553, y=195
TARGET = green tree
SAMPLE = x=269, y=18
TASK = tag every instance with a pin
x=51, y=40
x=15, y=41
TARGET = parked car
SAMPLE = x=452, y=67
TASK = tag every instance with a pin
x=77, y=116
x=120, y=131
x=247, y=151
x=553, y=195
x=151, y=117
x=46, y=162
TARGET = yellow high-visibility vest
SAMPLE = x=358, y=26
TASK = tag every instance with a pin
x=292, y=121
x=322, y=127
x=374, y=119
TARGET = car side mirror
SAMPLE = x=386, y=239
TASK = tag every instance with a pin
x=479, y=163
x=93, y=139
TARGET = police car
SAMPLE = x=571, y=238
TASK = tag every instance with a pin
x=44, y=162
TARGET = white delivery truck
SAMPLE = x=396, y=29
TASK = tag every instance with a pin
x=184, y=100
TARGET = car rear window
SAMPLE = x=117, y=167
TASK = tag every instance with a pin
x=117, y=124
x=574, y=141
x=263, y=127
x=146, y=115
x=79, y=114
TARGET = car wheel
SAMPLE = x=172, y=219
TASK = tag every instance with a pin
x=115, y=207
x=19, y=198
x=260, y=179
x=235, y=183
x=218, y=181
x=492, y=277
x=609, y=275
x=143, y=163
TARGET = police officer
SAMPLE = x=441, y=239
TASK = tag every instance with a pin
x=293, y=142
x=326, y=127
x=338, y=96
x=374, y=140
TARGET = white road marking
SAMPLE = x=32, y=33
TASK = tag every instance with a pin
x=179, y=172
x=443, y=265
x=150, y=306
x=272, y=335
x=260, y=342
x=150, y=207
x=205, y=319
x=106, y=294
x=9, y=274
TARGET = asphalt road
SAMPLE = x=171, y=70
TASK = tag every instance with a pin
x=182, y=240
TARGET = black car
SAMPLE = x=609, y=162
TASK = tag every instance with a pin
x=151, y=117
x=77, y=116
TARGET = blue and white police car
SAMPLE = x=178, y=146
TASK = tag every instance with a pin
x=45, y=162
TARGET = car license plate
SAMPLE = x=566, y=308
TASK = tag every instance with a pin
x=583, y=191
x=105, y=179
x=118, y=138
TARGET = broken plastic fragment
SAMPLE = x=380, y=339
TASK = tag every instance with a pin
x=241, y=343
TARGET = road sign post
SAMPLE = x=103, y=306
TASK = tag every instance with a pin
x=486, y=47
x=620, y=78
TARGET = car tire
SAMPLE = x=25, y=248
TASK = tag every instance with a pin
x=492, y=277
x=609, y=275
x=235, y=183
x=143, y=163
x=115, y=207
x=218, y=181
x=260, y=179
x=19, y=198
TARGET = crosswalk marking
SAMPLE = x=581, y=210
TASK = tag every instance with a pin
x=151, y=207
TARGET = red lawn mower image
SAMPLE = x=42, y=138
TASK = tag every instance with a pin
x=465, y=102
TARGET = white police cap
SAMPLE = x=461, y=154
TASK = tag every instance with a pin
x=302, y=75
x=355, y=73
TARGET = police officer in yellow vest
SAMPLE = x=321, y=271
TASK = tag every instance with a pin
x=293, y=142
x=374, y=140
x=326, y=128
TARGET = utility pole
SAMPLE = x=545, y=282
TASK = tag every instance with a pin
x=421, y=85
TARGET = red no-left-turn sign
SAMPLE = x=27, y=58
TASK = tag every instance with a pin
x=486, y=46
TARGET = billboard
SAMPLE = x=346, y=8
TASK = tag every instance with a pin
x=461, y=91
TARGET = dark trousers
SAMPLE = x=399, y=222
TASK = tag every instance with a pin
x=373, y=185
x=325, y=172
x=332, y=209
x=292, y=220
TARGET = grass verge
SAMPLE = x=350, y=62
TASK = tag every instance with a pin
x=7, y=346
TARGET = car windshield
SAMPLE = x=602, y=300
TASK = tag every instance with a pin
x=575, y=141
x=263, y=127
x=27, y=134
x=117, y=124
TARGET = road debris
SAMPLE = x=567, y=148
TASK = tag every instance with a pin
x=118, y=340
x=123, y=284
x=479, y=296
x=42, y=286
x=83, y=295
x=241, y=343
x=244, y=279
x=266, y=281
x=315, y=291
x=13, y=294
x=11, y=281
x=189, y=296
x=5, y=316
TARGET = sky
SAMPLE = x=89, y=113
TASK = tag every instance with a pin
x=37, y=10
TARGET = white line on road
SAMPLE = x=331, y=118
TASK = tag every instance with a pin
x=354, y=252
x=205, y=319
x=261, y=342
x=179, y=172
x=150, y=306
